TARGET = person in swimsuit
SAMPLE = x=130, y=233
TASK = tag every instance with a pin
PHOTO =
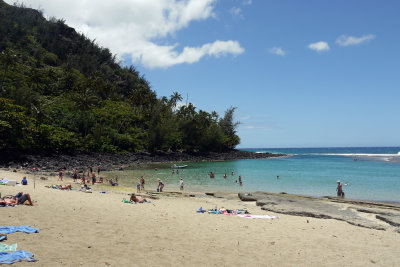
x=339, y=189
x=181, y=184
x=18, y=199
x=160, y=185
x=65, y=187
x=142, y=182
x=60, y=175
x=136, y=200
x=93, y=178
x=75, y=175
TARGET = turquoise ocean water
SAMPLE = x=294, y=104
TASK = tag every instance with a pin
x=372, y=173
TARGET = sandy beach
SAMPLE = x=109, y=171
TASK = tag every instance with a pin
x=95, y=229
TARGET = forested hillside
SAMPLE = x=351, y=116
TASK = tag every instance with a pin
x=61, y=92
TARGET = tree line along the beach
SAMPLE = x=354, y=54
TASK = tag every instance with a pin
x=61, y=92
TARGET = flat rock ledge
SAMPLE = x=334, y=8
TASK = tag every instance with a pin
x=385, y=216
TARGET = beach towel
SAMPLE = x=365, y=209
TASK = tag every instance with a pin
x=258, y=216
x=23, y=228
x=201, y=210
x=5, y=247
x=17, y=256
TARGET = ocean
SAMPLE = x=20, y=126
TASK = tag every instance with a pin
x=369, y=173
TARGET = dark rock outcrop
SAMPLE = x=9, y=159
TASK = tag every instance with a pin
x=56, y=162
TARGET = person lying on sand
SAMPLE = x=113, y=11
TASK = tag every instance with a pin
x=113, y=183
x=68, y=187
x=18, y=199
x=136, y=200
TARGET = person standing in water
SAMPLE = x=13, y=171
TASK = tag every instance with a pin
x=240, y=180
x=339, y=189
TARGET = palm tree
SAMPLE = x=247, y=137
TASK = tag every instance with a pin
x=174, y=99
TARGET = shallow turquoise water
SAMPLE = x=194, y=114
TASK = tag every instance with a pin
x=375, y=175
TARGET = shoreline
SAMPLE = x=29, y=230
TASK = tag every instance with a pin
x=94, y=229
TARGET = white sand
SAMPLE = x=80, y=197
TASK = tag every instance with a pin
x=82, y=229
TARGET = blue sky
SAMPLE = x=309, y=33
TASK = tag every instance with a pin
x=301, y=73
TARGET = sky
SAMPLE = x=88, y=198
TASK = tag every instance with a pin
x=315, y=73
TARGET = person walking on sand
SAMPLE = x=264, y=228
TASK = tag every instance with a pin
x=339, y=189
x=142, y=182
x=93, y=178
x=60, y=175
x=138, y=187
x=181, y=184
x=75, y=175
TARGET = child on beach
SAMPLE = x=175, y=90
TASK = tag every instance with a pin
x=160, y=185
x=142, y=182
x=181, y=184
x=138, y=187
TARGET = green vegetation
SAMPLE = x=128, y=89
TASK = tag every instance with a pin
x=61, y=92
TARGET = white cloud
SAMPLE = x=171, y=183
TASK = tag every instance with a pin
x=165, y=56
x=140, y=28
x=237, y=12
x=277, y=51
x=247, y=2
x=344, y=40
x=319, y=46
x=257, y=127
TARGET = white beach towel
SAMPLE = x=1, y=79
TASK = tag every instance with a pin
x=257, y=216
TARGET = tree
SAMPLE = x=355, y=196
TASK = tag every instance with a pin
x=228, y=127
x=8, y=58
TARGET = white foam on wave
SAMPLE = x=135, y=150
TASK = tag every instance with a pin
x=358, y=154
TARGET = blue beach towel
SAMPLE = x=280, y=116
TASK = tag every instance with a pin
x=23, y=228
x=17, y=256
x=201, y=210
